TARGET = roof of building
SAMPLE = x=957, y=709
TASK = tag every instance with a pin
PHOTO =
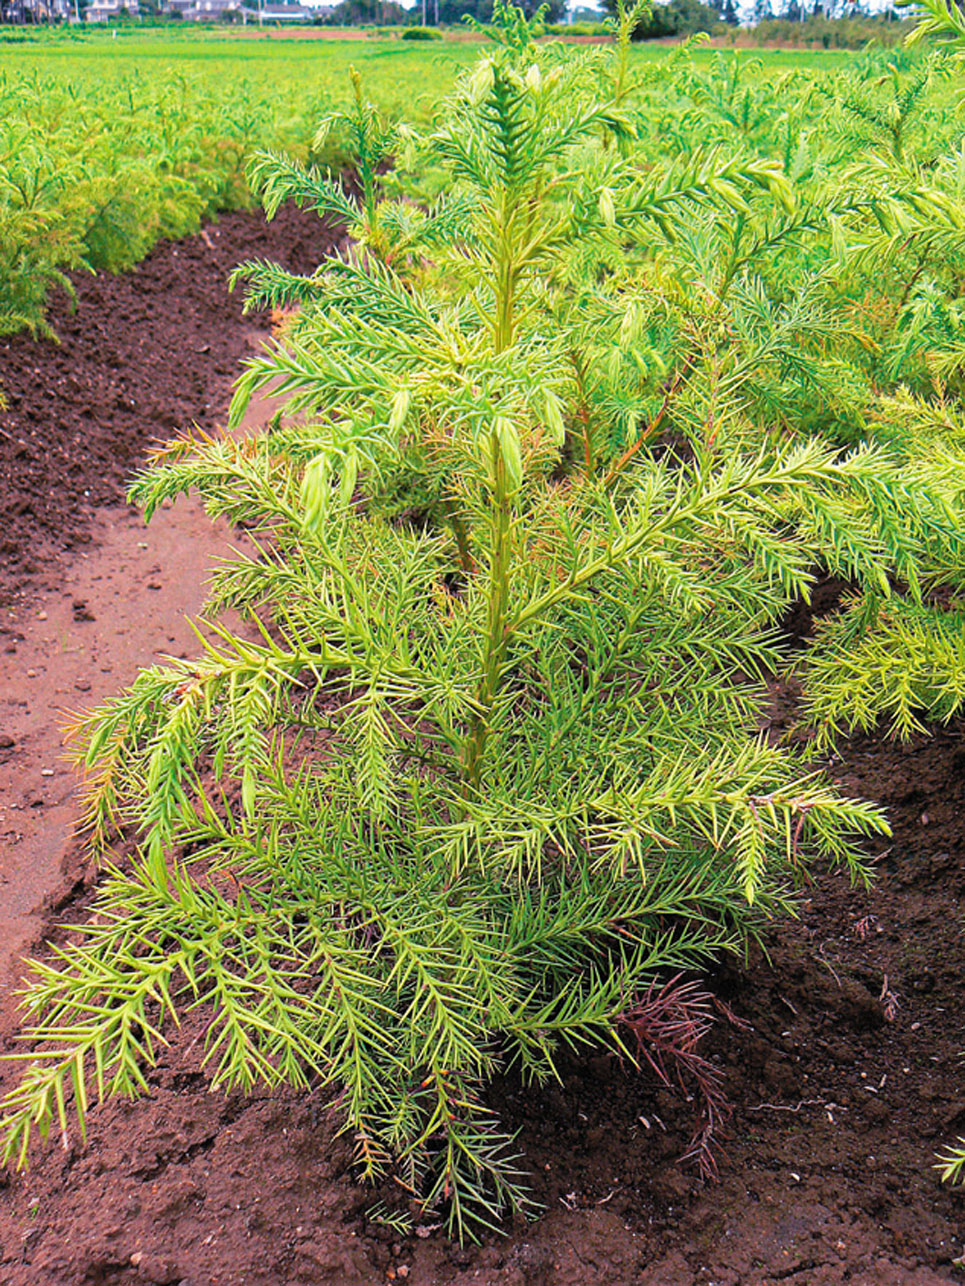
x=276, y=10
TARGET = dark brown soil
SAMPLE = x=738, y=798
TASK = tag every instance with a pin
x=144, y=355
x=845, y=1086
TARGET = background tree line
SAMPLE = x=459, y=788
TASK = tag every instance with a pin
x=832, y=23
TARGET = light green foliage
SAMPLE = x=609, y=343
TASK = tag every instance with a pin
x=942, y=19
x=107, y=146
x=560, y=445
x=900, y=661
x=144, y=135
x=94, y=175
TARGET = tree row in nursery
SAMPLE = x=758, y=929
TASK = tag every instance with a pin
x=106, y=150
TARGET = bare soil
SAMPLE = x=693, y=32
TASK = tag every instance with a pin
x=845, y=1085
x=144, y=355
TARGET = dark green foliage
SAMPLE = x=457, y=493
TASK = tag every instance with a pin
x=820, y=32
x=674, y=18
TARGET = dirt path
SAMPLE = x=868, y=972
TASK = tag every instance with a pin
x=87, y=594
x=143, y=355
x=121, y=606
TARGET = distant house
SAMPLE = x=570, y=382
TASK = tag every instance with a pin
x=204, y=10
x=281, y=12
x=103, y=10
x=28, y=11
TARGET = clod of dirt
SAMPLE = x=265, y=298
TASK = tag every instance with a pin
x=155, y=1268
x=81, y=611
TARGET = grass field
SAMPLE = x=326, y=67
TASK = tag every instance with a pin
x=305, y=60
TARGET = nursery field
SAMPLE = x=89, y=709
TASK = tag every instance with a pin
x=543, y=861
x=108, y=144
